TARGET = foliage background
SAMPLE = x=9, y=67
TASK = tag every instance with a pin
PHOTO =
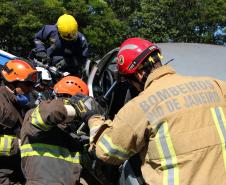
x=106, y=23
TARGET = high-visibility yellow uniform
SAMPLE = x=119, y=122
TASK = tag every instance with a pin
x=178, y=127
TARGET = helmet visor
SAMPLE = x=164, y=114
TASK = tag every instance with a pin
x=34, y=77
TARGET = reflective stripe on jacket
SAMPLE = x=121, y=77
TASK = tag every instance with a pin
x=6, y=144
x=116, y=151
x=49, y=154
x=37, y=120
x=177, y=125
x=45, y=150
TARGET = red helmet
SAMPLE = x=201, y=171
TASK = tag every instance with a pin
x=71, y=85
x=19, y=70
x=132, y=53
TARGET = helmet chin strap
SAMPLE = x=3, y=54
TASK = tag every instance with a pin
x=13, y=87
x=138, y=85
x=137, y=82
x=20, y=98
x=11, y=90
x=10, y=86
x=143, y=80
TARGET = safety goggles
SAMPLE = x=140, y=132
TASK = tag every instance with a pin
x=69, y=36
x=34, y=77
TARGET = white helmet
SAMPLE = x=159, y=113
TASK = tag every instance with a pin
x=45, y=73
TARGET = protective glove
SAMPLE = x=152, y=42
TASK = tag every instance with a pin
x=85, y=107
x=42, y=55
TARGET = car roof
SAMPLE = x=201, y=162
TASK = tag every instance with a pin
x=195, y=59
x=5, y=57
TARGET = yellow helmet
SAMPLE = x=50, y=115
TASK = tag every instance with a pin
x=67, y=27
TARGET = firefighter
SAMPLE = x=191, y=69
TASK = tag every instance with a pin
x=176, y=124
x=64, y=44
x=44, y=89
x=18, y=78
x=50, y=155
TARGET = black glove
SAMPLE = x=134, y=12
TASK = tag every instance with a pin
x=42, y=55
x=85, y=107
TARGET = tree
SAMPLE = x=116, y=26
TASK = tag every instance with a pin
x=21, y=19
x=184, y=20
x=148, y=22
x=106, y=23
x=99, y=24
x=123, y=8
